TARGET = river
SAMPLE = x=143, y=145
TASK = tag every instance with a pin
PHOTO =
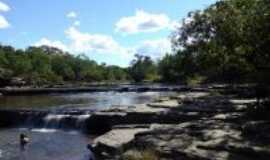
x=55, y=143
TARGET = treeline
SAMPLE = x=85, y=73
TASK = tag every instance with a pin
x=227, y=42
x=47, y=65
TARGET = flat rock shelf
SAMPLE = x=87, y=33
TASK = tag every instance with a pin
x=191, y=125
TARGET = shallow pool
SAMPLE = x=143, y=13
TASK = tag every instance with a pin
x=45, y=144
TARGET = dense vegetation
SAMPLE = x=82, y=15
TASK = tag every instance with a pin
x=47, y=65
x=226, y=42
x=143, y=68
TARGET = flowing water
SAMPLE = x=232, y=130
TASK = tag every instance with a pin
x=92, y=101
x=50, y=141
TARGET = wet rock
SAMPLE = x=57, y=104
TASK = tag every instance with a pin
x=101, y=122
x=257, y=131
x=140, y=108
x=17, y=81
x=255, y=126
x=165, y=104
x=211, y=140
x=241, y=151
x=192, y=95
x=20, y=117
x=77, y=89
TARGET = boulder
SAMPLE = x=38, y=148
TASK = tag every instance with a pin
x=203, y=140
x=115, y=141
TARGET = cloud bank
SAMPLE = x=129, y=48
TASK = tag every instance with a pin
x=3, y=21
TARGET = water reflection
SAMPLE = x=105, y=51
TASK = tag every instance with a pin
x=53, y=144
x=94, y=101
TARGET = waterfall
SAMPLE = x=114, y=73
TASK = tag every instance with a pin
x=64, y=121
x=71, y=119
x=81, y=120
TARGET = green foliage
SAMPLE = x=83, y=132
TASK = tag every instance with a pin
x=195, y=80
x=5, y=76
x=226, y=42
x=143, y=68
x=47, y=65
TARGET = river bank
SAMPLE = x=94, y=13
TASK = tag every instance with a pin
x=126, y=87
x=200, y=123
x=93, y=88
x=193, y=125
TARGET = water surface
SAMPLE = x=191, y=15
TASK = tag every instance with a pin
x=55, y=144
x=96, y=100
x=45, y=144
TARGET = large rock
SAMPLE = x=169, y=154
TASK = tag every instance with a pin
x=115, y=141
x=102, y=122
x=165, y=104
x=206, y=140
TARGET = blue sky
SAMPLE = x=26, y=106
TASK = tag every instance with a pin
x=106, y=31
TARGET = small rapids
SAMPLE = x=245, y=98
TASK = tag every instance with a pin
x=55, y=123
x=65, y=121
x=54, y=136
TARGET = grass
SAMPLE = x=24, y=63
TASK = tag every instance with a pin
x=140, y=155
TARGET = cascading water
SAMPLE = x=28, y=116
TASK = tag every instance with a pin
x=45, y=119
x=64, y=121
x=54, y=132
x=54, y=123
x=54, y=120
x=81, y=119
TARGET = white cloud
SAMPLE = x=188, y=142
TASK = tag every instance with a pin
x=175, y=25
x=98, y=43
x=105, y=46
x=77, y=23
x=142, y=22
x=3, y=22
x=93, y=45
x=72, y=14
x=154, y=48
x=87, y=43
x=4, y=7
x=47, y=42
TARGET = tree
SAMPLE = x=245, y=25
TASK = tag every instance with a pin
x=226, y=41
x=142, y=68
x=47, y=65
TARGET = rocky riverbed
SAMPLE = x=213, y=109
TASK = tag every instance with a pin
x=212, y=123
x=191, y=126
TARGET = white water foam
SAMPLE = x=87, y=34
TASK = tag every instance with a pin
x=81, y=119
x=44, y=130
x=55, y=117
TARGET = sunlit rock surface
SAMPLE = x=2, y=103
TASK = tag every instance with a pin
x=216, y=129
x=114, y=141
x=195, y=125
